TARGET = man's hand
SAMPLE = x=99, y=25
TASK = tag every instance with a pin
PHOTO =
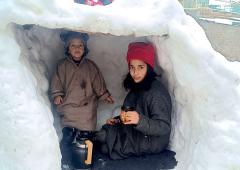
x=109, y=100
x=112, y=121
x=58, y=100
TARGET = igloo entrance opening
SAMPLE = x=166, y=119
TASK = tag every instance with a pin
x=41, y=48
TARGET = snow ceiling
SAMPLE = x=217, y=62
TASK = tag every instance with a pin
x=203, y=84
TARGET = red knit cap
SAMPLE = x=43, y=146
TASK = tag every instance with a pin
x=141, y=51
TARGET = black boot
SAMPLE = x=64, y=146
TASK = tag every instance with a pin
x=65, y=147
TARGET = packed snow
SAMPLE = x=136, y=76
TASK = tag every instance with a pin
x=204, y=86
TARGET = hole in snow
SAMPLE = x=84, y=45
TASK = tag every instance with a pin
x=41, y=48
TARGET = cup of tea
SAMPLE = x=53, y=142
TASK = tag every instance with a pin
x=123, y=117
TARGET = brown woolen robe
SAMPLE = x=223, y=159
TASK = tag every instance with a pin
x=80, y=87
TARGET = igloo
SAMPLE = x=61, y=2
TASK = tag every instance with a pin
x=203, y=84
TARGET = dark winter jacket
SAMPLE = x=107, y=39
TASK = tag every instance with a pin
x=151, y=134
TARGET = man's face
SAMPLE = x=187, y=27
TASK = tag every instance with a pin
x=76, y=48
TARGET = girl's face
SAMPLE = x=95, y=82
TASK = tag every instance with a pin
x=138, y=70
x=76, y=48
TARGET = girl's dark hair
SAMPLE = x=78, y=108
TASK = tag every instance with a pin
x=145, y=84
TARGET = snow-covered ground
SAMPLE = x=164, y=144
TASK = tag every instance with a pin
x=204, y=85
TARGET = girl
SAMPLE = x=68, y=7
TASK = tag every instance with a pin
x=146, y=127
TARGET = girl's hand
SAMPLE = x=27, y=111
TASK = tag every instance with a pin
x=131, y=117
x=112, y=121
x=123, y=116
x=58, y=100
x=109, y=100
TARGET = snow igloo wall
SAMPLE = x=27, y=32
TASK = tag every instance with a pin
x=203, y=84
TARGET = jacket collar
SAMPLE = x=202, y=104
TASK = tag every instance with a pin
x=70, y=59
